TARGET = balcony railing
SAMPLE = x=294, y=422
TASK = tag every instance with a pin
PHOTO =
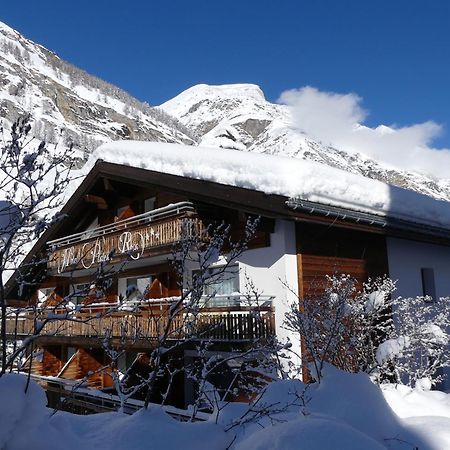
x=132, y=238
x=222, y=326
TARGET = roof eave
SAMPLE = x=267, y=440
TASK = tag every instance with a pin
x=387, y=221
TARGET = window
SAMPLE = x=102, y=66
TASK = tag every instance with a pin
x=93, y=224
x=124, y=212
x=221, y=281
x=428, y=285
x=149, y=204
x=79, y=293
x=137, y=287
x=44, y=295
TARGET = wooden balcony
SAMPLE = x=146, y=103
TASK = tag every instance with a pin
x=134, y=238
x=139, y=326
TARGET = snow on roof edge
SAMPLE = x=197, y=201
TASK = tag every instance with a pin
x=281, y=175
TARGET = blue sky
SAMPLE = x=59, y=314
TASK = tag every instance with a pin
x=393, y=54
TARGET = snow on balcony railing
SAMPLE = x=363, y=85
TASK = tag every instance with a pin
x=156, y=214
x=237, y=300
x=221, y=303
x=77, y=392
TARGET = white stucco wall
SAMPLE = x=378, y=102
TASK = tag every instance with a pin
x=269, y=267
x=406, y=259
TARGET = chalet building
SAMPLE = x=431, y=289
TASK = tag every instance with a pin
x=129, y=216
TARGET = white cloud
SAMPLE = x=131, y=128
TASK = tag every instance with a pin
x=337, y=120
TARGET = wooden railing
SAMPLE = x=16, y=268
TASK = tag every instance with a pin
x=237, y=326
x=100, y=401
x=134, y=241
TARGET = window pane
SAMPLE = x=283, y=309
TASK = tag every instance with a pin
x=428, y=285
x=137, y=287
x=80, y=292
x=222, y=282
x=149, y=204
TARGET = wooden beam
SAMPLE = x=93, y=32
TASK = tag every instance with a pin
x=97, y=200
x=107, y=185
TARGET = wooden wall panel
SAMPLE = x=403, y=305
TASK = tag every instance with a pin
x=89, y=364
x=53, y=360
x=324, y=250
x=46, y=361
x=315, y=270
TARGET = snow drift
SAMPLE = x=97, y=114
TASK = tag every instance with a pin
x=344, y=412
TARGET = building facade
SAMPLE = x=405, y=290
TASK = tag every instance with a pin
x=121, y=229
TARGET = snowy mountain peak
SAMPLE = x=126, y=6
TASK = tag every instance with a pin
x=205, y=91
x=239, y=117
x=218, y=109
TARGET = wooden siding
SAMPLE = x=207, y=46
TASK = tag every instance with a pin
x=138, y=242
x=45, y=361
x=323, y=250
x=88, y=365
x=315, y=270
x=326, y=251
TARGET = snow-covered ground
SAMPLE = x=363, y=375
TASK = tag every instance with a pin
x=345, y=412
x=426, y=413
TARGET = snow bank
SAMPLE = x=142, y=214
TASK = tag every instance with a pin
x=356, y=401
x=294, y=178
x=312, y=433
x=23, y=416
x=424, y=413
x=26, y=423
x=408, y=402
x=345, y=412
x=150, y=429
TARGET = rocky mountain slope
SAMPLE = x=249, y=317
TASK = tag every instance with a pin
x=239, y=117
x=70, y=106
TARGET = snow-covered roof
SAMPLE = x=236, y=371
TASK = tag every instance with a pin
x=293, y=178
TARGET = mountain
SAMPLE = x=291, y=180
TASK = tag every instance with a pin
x=239, y=117
x=70, y=106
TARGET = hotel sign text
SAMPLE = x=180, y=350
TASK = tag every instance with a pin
x=130, y=243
